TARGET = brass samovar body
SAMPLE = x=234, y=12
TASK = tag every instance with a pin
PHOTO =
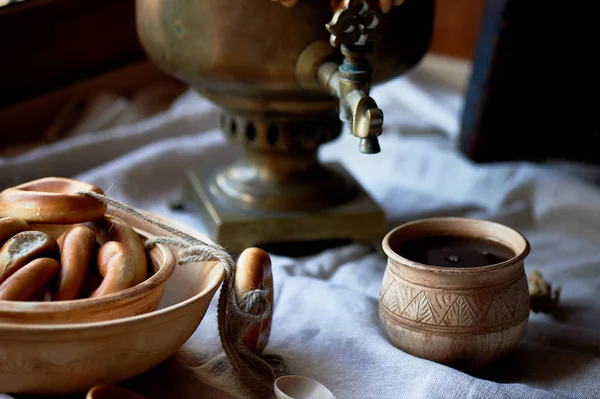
x=278, y=75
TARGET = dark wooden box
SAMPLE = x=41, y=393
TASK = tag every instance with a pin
x=534, y=90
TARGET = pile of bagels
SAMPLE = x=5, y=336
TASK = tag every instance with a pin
x=58, y=245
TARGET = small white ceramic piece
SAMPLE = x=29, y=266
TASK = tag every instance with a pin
x=111, y=392
x=300, y=387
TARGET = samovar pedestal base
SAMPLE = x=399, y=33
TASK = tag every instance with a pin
x=358, y=220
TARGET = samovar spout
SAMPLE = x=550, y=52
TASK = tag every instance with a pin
x=357, y=109
x=354, y=27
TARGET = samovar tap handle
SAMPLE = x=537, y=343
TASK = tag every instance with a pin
x=354, y=27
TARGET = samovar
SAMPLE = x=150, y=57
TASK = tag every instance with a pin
x=288, y=79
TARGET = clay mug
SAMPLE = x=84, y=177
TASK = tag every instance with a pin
x=465, y=317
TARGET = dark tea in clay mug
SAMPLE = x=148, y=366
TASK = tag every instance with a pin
x=455, y=290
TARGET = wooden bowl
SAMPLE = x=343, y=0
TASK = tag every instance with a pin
x=70, y=358
x=139, y=299
x=463, y=317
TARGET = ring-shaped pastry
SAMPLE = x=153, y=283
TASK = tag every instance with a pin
x=51, y=200
x=253, y=272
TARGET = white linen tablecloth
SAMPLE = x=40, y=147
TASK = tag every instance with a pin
x=326, y=321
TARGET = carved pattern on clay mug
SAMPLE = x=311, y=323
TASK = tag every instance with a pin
x=491, y=308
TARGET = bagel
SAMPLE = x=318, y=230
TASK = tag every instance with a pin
x=253, y=272
x=9, y=226
x=43, y=295
x=116, y=265
x=22, y=248
x=55, y=231
x=93, y=279
x=111, y=228
x=26, y=282
x=52, y=200
x=76, y=249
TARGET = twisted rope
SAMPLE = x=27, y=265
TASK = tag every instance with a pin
x=256, y=373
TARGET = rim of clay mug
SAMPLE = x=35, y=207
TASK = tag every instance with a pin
x=519, y=255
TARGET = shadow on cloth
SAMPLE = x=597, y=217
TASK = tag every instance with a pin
x=535, y=365
x=579, y=312
x=192, y=375
x=534, y=361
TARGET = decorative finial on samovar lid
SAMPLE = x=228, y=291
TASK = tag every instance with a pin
x=385, y=5
x=355, y=23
